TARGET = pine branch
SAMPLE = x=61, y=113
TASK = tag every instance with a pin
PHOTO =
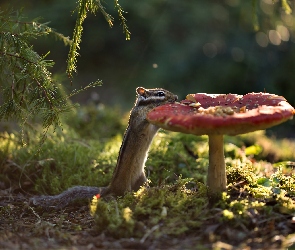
x=93, y=6
x=123, y=20
x=17, y=56
x=34, y=28
x=255, y=16
x=107, y=16
x=77, y=34
x=27, y=88
x=286, y=7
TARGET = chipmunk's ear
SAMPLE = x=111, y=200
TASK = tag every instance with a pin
x=140, y=91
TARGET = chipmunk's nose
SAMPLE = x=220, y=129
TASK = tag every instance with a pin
x=175, y=97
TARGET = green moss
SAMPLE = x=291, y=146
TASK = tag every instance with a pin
x=238, y=171
x=175, y=154
x=173, y=209
x=64, y=160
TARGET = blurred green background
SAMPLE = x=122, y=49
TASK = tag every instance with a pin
x=183, y=46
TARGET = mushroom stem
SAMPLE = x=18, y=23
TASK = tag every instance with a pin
x=216, y=178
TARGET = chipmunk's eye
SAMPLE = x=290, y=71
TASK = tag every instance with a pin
x=160, y=93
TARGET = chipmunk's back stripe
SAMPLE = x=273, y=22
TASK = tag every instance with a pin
x=150, y=100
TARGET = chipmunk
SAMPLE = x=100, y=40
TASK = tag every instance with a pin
x=129, y=172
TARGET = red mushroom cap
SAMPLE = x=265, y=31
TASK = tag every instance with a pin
x=222, y=114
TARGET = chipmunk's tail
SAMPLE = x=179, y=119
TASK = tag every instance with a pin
x=65, y=198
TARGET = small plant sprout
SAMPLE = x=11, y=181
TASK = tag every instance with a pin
x=218, y=114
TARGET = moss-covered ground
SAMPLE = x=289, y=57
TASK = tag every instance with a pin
x=258, y=210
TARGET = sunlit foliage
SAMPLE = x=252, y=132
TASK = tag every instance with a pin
x=28, y=91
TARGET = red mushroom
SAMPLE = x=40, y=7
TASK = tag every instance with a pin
x=219, y=114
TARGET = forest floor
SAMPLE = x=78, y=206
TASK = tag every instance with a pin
x=25, y=227
x=257, y=212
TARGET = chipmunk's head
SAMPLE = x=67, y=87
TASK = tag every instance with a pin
x=154, y=97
